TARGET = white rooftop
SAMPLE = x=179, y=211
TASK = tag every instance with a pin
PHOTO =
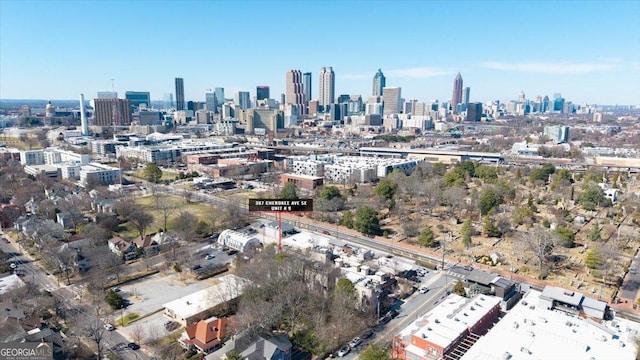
x=529, y=331
x=444, y=323
x=9, y=283
x=228, y=288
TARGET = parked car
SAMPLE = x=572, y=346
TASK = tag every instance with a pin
x=232, y=252
x=115, y=289
x=344, y=351
x=355, y=342
x=133, y=346
x=367, y=334
x=423, y=290
x=171, y=325
x=209, y=256
x=326, y=232
x=393, y=313
x=109, y=327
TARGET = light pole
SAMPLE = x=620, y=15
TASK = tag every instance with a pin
x=337, y=229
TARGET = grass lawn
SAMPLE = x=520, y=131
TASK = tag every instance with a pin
x=201, y=211
x=166, y=174
x=15, y=142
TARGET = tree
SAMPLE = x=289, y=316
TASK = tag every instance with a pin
x=94, y=329
x=595, y=234
x=347, y=220
x=466, y=231
x=427, y=237
x=489, y=199
x=329, y=192
x=386, y=189
x=375, y=352
x=140, y=219
x=458, y=289
x=490, y=229
x=540, y=242
x=594, y=259
x=233, y=355
x=366, y=221
x=593, y=196
x=289, y=191
x=152, y=173
x=113, y=299
x=566, y=236
x=345, y=286
x=166, y=207
x=184, y=224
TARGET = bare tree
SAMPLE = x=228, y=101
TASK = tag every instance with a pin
x=138, y=334
x=140, y=219
x=540, y=242
x=94, y=329
x=184, y=225
x=166, y=207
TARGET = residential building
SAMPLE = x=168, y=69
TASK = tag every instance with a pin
x=110, y=112
x=262, y=346
x=304, y=182
x=205, y=335
x=32, y=157
x=456, y=97
x=379, y=83
x=122, y=247
x=326, y=88
x=179, y=82
x=96, y=173
x=391, y=100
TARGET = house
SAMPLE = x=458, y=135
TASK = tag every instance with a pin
x=122, y=247
x=205, y=335
x=265, y=345
x=35, y=227
x=15, y=327
x=148, y=245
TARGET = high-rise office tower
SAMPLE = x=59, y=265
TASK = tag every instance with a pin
x=262, y=92
x=379, y=82
x=282, y=99
x=327, y=87
x=474, y=112
x=465, y=95
x=219, y=96
x=210, y=100
x=456, y=98
x=110, y=112
x=83, y=117
x=107, y=95
x=243, y=100
x=137, y=98
x=168, y=101
x=391, y=100
x=295, y=89
x=179, y=94
x=306, y=85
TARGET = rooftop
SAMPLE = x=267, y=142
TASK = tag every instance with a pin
x=529, y=331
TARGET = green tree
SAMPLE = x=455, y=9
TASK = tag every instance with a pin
x=490, y=229
x=427, y=237
x=466, y=232
x=347, y=220
x=329, y=192
x=386, y=189
x=152, y=173
x=542, y=173
x=565, y=236
x=593, y=196
x=345, y=286
x=595, y=234
x=486, y=173
x=453, y=178
x=113, y=299
x=489, y=199
x=366, y=221
x=375, y=352
x=233, y=355
x=593, y=259
x=458, y=288
x=289, y=191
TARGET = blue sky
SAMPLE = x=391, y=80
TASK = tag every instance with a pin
x=587, y=50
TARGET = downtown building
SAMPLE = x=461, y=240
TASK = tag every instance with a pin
x=111, y=112
x=391, y=100
x=179, y=82
x=326, y=88
x=295, y=89
x=456, y=97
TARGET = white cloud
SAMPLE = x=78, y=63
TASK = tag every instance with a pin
x=409, y=73
x=550, y=68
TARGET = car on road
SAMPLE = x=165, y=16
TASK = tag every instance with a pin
x=108, y=327
x=344, y=351
x=133, y=346
x=13, y=266
x=355, y=342
x=209, y=256
x=393, y=313
x=383, y=320
x=232, y=252
x=326, y=232
x=423, y=290
x=367, y=334
x=115, y=289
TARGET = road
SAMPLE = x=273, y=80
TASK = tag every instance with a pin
x=68, y=296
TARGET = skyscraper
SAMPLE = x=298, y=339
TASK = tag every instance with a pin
x=107, y=95
x=210, y=100
x=179, y=94
x=391, y=100
x=306, y=85
x=243, y=100
x=110, y=112
x=219, y=96
x=379, y=82
x=474, y=112
x=327, y=88
x=167, y=101
x=262, y=92
x=295, y=90
x=466, y=93
x=456, y=98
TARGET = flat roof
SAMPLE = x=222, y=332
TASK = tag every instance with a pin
x=228, y=288
x=570, y=297
x=430, y=151
x=9, y=283
x=529, y=331
x=444, y=323
x=301, y=176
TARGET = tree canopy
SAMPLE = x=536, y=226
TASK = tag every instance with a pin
x=386, y=189
x=366, y=221
x=289, y=191
x=375, y=352
x=152, y=173
x=427, y=237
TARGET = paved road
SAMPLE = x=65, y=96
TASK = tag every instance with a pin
x=69, y=296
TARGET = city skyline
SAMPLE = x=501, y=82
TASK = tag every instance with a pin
x=502, y=48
